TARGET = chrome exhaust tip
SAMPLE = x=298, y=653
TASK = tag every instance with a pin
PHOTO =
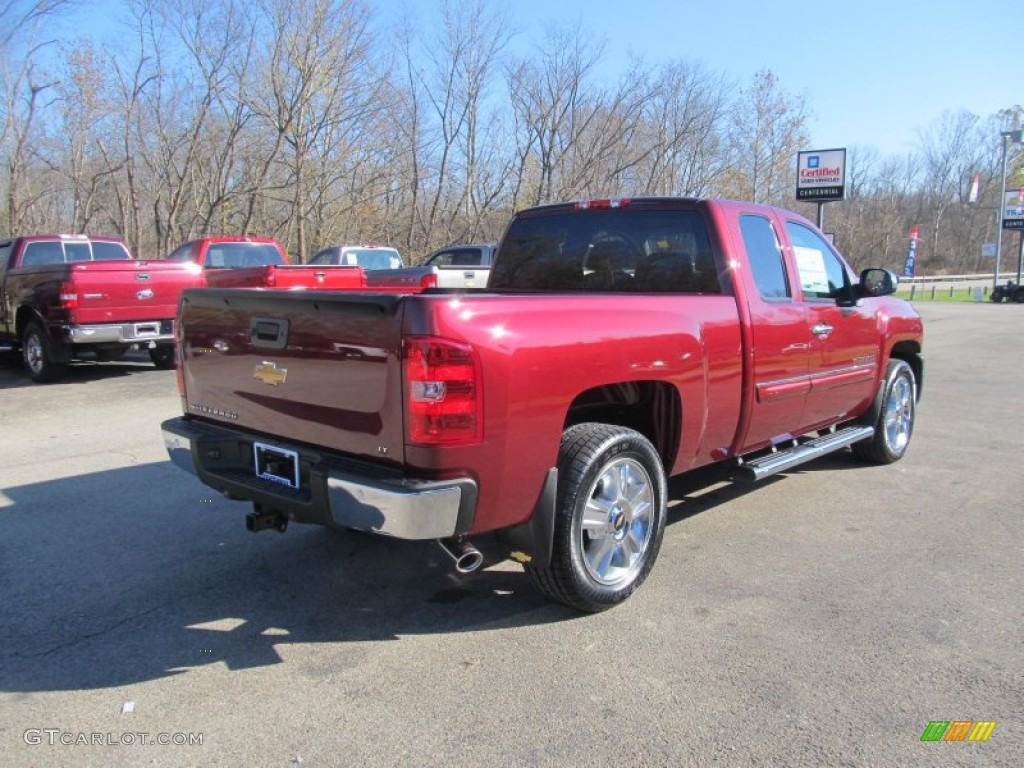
x=467, y=558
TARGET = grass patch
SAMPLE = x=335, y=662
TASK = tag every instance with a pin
x=924, y=293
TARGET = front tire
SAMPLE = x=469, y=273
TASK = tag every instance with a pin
x=37, y=355
x=610, y=517
x=892, y=415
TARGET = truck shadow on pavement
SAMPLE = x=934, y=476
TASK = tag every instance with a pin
x=140, y=573
x=13, y=376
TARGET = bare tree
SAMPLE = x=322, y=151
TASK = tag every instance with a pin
x=768, y=131
x=317, y=79
x=24, y=84
x=553, y=100
x=684, y=131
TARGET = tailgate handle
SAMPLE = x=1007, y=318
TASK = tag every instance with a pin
x=268, y=332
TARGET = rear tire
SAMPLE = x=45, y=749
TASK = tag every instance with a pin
x=609, y=517
x=892, y=415
x=37, y=355
x=162, y=356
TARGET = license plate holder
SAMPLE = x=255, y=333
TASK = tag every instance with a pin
x=147, y=330
x=278, y=465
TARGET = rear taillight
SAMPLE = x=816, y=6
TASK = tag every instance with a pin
x=428, y=281
x=444, y=401
x=270, y=278
x=68, y=296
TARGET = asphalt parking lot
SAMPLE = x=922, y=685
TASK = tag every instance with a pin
x=824, y=617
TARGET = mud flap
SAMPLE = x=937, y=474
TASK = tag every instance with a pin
x=531, y=542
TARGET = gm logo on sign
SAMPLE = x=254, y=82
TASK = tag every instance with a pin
x=958, y=730
x=813, y=161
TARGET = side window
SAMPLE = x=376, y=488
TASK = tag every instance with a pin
x=466, y=257
x=822, y=274
x=104, y=251
x=765, y=256
x=442, y=259
x=182, y=253
x=215, y=257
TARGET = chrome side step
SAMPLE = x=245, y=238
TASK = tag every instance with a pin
x=779, y=461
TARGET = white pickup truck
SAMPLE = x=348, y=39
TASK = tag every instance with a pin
x=454, y=266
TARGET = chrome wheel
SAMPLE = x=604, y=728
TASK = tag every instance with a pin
x=891, y=414
x=617, y=522
x=35, y=357
x=899, y=415
x=609, y=517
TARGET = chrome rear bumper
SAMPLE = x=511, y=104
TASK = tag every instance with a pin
x=331, y=493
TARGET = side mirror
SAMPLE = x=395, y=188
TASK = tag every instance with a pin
x=877, y=282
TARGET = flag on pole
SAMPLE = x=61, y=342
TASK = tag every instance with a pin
x=973, y=196
x=911, y=263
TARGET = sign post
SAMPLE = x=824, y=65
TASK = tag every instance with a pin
x=1015, y=137
x=821, y=178
x=1013, y=218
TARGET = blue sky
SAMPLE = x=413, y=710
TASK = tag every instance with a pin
x=873, y=73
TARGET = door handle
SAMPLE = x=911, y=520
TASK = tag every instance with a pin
x=822, y=329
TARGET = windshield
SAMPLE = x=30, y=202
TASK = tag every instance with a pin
x=620, y=250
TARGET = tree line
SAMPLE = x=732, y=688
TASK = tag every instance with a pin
x=320, y=122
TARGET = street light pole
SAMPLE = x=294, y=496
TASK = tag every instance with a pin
x=1002, y=197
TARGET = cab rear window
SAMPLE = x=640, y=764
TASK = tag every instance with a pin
x=39, y=252
x=613, y=250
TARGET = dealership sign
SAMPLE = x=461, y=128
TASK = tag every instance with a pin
x=1013, y=209
x=821, y=175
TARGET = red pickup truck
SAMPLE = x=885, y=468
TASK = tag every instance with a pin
x=230, y=251
x=619, y=342
x=231, y=261
x=65, y=296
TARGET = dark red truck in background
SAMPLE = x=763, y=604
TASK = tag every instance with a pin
x=65, y=296
x=618, y=343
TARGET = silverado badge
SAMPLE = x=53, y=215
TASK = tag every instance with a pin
x=269, y=373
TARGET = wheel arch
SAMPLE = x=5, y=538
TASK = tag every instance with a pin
x=652, y=408
x=910, y=353
x=23, y=317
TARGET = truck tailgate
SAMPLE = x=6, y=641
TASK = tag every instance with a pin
x=322, y=368
x=328, y=278
x=115, y=291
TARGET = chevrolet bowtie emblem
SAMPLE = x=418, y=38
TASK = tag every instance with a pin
x=269, y=373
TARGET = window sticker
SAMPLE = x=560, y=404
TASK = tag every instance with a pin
x=813, y=275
